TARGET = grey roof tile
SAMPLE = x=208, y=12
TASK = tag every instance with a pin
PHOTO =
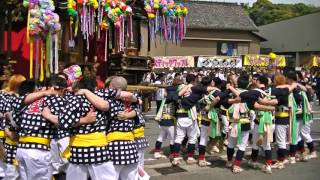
x=218, y=15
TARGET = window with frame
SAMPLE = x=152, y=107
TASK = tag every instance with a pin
x=227, y=49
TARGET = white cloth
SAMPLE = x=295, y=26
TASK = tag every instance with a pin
x=281, y=132
x=11, y=172
x=160, y=92
x=186, y=127
x=34, y=164
x=95, y=171
x=140, y=166
x=232, y=141
x=166, y=132
x=2, y=168
x=225, y=123
x=147, y=78
x=123, y=172
x=204, y=131
x=141, y=157
x=304, y=131
x=255, y=137
x=221, y=76
x=57, y=148
x=2, y=164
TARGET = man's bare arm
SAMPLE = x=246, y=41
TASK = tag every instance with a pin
x=95, y=100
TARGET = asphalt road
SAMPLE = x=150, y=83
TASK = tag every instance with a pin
x=162, y=169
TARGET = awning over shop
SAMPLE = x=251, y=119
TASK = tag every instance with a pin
x=220, y=61
x=173, y=62
x=264, y=60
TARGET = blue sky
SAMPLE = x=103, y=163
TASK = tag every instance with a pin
x=314, y=2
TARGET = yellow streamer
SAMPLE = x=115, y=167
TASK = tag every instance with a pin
x=28, y=27
x=31, y=60
x=76, y=27
x=41, y=64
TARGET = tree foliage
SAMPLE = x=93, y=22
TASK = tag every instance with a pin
x=265, y=12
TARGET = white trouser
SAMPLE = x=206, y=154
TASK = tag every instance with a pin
x=94, y=171
x=281, y=132
x=252, y=123
x=141, y=157
x=2, y=164
x=304, y=131
x=2, y=169
x=225, y=123
x=11, y=172
x=232, y=141
x=57, y=148
x=124, y=172
x=166, y=132
x=255, y=138
x=204, y=131
x=186, y=127
x=34, y=164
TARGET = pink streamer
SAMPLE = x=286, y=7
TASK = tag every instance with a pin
x=131, y=30
x=36, y=72
x=106, y=47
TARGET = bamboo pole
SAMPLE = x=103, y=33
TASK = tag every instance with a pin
x=142, y=88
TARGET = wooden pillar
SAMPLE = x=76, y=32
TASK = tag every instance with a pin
x=149, y=43
x=65, y=36
x=138, y=33
x=297, y=60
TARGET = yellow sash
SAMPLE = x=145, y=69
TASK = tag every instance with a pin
x=241, y=121
x=244, y=120
x=139, y=132
x=182, y=111
x=167, y=116
x=10, y=142
x=1, y=134
x=96, y=139
x=282, y=114
x=120, y=136
x=37, y=140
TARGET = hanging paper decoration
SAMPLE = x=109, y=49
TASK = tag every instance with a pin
x=42, y=27
x=74, y=73
x=166, y=18
x=119, y=16
x=93, y=16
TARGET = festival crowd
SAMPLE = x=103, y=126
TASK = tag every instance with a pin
x=68, y=127
x=215, y=111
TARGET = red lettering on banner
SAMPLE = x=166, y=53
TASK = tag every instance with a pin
x=35, y=107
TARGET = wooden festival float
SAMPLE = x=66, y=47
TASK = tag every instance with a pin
x=108, y=32
x=115, y=25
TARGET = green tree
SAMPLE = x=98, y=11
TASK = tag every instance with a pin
x=265, y=12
